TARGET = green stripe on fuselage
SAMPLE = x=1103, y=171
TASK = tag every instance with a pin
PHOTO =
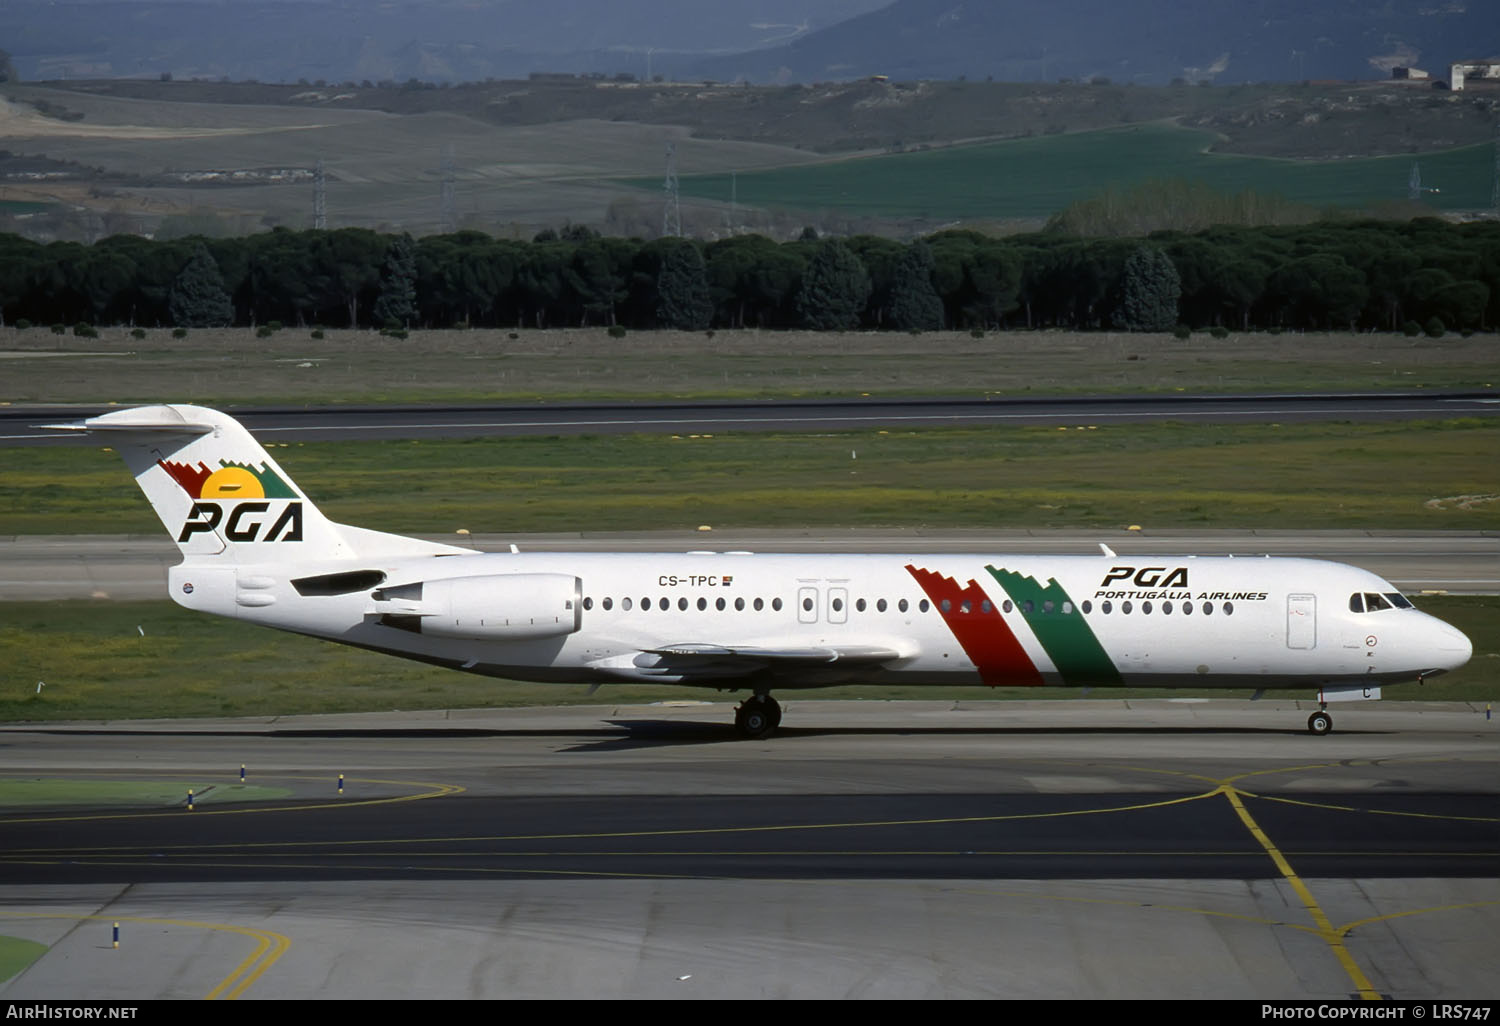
x=1066, y=637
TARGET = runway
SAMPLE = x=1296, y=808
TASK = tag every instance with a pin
x=18, y=427
x=129, y=567
x=1103, y=849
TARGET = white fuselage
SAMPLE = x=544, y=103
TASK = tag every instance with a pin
x=731, y=620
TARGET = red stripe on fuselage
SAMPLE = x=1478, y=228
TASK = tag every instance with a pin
x=985, y=637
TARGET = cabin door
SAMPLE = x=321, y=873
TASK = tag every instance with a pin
x=1301, y=621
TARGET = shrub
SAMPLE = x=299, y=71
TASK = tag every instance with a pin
x=976, y=333
x=317, y=333
x=264, y=331
x=83, y=329
x=394, y=332
x=23, y=324
x=274, y=325
x=137, y=332
x=1182, y=331
x=1219, y=331
x=59, y=329
x=512, y=336
x=179, y=333
x=1411, y=329
x=1435, y=327
x=617, y=331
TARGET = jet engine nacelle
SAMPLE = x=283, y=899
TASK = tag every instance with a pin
x=502, y=607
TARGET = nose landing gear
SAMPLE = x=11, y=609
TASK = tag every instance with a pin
x=757, y=716
x=1320, y=722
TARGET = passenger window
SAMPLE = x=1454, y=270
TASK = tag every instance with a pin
x=985, y=607
x=719, y=605
x=838, y=605
x=1006, y=605
x=1208, y=608
x=1107, y=606
x=1126, y=607
x=860, y=605
x=880, y=606
x=1187, y=607
x=1166, y=608
x=739, y=605
x=807, y=604
x=759, y=605
x=1229, y=609
x=776, y=604
x=625, y=604
x=1145, y=607
x=1087, y=607
x=645, y=603
x=1028, y=606
x=902, y=605
x=1067, y=608
x=588, y=602
x=947, y=606
x=924, y=605
x=1047, y=606
x=609, y=604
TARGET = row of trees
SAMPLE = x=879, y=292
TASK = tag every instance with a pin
x=1368, y=275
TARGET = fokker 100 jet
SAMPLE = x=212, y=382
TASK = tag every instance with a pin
x=255, y=548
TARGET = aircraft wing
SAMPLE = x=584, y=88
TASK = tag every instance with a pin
x=816, y=655
x=692, y=662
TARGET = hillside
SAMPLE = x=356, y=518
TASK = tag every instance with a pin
x=1140, y=41
x=85, y=159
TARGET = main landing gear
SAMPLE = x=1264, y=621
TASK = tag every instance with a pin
x=1320, y=722
x=757, y=716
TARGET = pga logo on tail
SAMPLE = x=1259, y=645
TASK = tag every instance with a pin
x=215, y=491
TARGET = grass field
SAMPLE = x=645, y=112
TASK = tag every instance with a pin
x=1325, y=475
x=97, y=665
x=1040, y=176
x=232, y=366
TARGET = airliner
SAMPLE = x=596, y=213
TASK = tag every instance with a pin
x=255, y=548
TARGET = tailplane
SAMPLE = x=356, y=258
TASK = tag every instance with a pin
x=223, y=498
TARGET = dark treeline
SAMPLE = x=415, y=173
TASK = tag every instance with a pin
x=1364, y=275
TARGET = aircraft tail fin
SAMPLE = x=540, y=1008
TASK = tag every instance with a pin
x=223, y=497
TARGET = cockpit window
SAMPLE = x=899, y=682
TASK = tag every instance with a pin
x=1356, y=603
x=1374, y=601
x=1399, y=600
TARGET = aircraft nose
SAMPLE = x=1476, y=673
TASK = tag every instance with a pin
x=1454, y=645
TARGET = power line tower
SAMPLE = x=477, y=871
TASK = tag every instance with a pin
x=449, y=212
x=320, y=197
x=671, y=215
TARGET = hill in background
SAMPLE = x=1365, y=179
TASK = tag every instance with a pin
x=781, y=41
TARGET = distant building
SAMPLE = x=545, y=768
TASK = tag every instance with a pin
x=1469, y=73
x=1409, y=73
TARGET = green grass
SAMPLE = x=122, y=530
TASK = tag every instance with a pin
x=99, y=667
x=1320, y=475
x=16, y=954
x=1037, y=177
x=230, y=366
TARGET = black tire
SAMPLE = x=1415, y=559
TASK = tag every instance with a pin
x=757, y=717
x=1320, y=723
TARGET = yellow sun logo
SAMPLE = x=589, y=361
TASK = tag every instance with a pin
x=232, y=483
